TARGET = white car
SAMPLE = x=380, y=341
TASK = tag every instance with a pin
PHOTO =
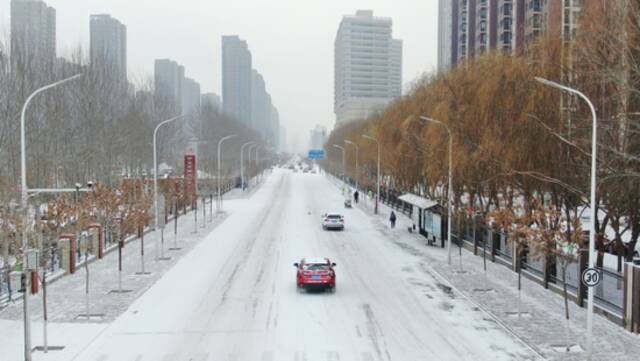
x=333, y=221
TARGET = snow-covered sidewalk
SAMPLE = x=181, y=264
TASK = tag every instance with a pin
x=66, y=300
x=541, y=322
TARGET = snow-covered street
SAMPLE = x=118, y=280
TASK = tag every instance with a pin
x=233, y=297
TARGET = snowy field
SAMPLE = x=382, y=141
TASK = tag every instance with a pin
x=233, y=296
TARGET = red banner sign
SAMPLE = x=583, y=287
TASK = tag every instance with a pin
x=190, y=175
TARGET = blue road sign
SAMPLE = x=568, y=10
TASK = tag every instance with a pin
x=316, y=154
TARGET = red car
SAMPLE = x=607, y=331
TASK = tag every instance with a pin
x=315, y=274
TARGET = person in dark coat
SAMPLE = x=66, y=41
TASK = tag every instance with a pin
x=392, y=218
x=356, y=195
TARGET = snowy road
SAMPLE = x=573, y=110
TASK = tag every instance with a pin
x=233, y=297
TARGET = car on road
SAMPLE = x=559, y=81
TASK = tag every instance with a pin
x=315, y=274
x=332, y=221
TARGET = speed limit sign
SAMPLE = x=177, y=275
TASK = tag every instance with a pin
x=591, y=277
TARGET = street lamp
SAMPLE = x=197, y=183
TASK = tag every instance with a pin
x=251, y=147
x=347, y=141
x=592, y=231
x=377, y=172
x=155, y=180
x=343, y=168
x=24, y=190
x=218, y=178
x=449, y=190
x=242, y=162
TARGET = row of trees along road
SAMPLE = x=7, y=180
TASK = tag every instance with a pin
x=97, y=128
x=521, y=149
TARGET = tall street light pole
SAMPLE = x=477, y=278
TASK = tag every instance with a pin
x=377, y=172
x=251, y=148
x=23, y=191
x=592, y=231
x=155, y=178
x=347, y=141
x=257, y=161
x=449, y=189
x=242, y=162
x=343, y=165
x=219, y=160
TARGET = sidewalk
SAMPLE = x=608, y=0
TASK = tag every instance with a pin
x=541, y=323
x=66, y=298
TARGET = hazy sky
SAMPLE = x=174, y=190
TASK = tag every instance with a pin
x=291, y=42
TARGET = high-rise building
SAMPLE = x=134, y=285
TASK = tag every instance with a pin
x=318, y=137
x=260, y=104
x=273, y=131
x=507, y=25
x=447, y=42
x=190, y=97
x=211, y=100
x=466, y=25
x=169, y=78
x=265, y=118
x=236, y=78
x=367, y=68
x=510, y=17
x=283, y=139
x=33, y=32
x=485, y=25
x=108, y=46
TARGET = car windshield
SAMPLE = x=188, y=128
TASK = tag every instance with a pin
x=334, y=216
x=316, y=267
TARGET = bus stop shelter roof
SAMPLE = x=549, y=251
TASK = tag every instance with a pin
x=416, y=200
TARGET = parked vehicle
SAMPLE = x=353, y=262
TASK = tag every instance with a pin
x=315, y=274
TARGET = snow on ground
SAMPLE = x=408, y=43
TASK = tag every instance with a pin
x=233, y=295
x=541, y=322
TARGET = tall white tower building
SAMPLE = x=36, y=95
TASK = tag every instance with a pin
x=368, y=66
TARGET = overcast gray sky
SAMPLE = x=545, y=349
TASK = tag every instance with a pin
x=291, y=42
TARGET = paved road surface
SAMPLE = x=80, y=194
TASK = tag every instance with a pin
x=233, y=297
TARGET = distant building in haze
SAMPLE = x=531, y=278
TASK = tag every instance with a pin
x=33, y=33
x=367, y=68
x=236, y=78
x=273, y=130
x=211, y=100
x=283, y=139
x=108, y=47
x=190, y=96
x=318, y=137
x=169, y=78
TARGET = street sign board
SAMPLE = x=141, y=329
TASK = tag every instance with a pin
x=190, y=175
x=591, y=277
x=32, y=259
x=316, y=154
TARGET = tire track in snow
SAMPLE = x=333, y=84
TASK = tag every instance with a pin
x=374, y=330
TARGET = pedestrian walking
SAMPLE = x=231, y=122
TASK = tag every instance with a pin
x=392, y=218
x=355, y=196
